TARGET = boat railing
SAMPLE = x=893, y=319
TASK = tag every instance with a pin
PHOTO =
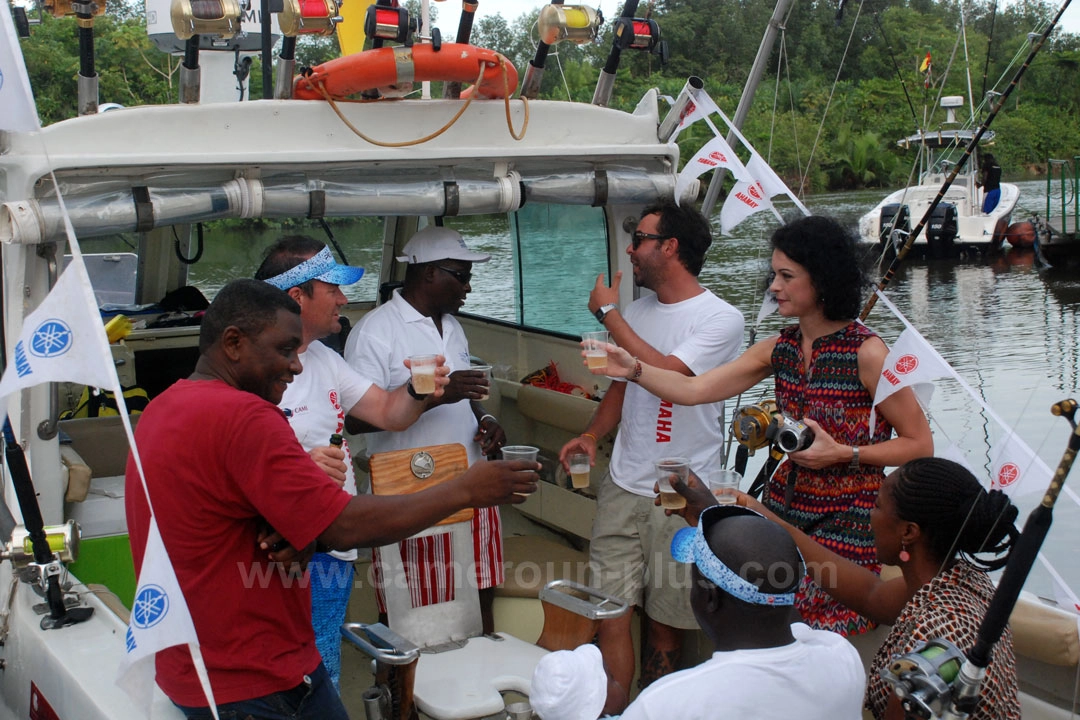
x=1064, y=170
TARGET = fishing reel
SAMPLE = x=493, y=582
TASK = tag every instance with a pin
x=755, y=426
x=750, y=424
x=923, y=679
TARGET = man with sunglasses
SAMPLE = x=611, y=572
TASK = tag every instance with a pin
x=419, y=319
x=681, y=326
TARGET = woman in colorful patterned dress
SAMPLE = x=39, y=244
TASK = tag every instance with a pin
x=931, y=518
x=826, y=367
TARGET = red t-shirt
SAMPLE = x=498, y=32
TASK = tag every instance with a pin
x=219, y=463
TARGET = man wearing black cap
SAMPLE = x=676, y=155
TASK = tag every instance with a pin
x=317, y=401
x=745, y=573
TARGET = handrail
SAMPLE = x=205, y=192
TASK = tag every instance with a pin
x=1063, y=168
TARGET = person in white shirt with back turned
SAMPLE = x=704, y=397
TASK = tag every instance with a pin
x=745, y=574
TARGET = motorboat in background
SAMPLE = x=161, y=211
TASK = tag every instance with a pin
x=958, y=222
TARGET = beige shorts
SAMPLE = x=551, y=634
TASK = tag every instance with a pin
x=630, y=556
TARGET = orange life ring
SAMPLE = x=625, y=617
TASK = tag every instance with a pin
x=381, y=67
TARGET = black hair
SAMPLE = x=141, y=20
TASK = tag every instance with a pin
x=250, y=305
x=956, y=513
x=828, y=252
x=287, y=253
x=760, y=552
x=686, y=225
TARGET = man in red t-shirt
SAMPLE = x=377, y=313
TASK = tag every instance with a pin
x=222, y=465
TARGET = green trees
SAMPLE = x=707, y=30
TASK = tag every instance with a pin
x=852, y=63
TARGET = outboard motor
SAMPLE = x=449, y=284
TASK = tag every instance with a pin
x=894, y=216
x=941, y=231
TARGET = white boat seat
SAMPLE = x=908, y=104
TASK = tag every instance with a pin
x=468, y=682
x=455, y=671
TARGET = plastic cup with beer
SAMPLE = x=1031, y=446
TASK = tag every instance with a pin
x=596, y=349
x=423, y=373
x=579, y=470
x=486, y=369
x=724, y=484
x=665, y=469
x=520, y=452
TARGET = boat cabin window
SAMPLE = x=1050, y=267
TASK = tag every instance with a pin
x=542, y=277
x=234, y=250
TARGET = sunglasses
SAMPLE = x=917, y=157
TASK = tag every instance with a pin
x=461, y=276
x=639, y=237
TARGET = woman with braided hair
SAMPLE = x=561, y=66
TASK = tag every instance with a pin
x=935, y=521
x=826, y=366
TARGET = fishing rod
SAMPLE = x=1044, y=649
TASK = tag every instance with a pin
x=47, y=564
x=936, y=679
x=902, y=252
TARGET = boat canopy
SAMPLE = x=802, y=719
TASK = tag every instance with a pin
x=938, y=139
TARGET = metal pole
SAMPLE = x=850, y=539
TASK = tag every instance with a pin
x=749, y=90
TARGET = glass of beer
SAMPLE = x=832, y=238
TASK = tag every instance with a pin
x=665, y=469
x=520, y=452
x=423, y=373
x=595, y=344
x=486, y=369
x=579, y=470
x=724, y=484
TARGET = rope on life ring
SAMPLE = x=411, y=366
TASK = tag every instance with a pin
x=334, y=80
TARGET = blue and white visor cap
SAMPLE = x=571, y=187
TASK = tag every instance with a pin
x=435, y=243
x=689, y=546
x=320, y=266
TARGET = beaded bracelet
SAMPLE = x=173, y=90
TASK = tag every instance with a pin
x=636, y=375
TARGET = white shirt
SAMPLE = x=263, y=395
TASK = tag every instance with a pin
x=704, y=332
x=377, y=348
x=316, y=402
x=817, y=677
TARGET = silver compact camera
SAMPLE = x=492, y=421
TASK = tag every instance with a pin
x=792, y=435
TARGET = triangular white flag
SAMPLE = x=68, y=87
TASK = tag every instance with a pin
x=951, y=452
x=764, y=174
x=768, y=307
x=159, y=619
x=911, y=362
x=63, y=339
x=745, y=199
x=17, y=110
x=1015, y=469
x=714, y=154
x=699, y=106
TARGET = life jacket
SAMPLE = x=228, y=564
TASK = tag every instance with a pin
x=102, y=403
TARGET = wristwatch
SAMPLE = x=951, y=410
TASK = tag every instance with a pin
x=412, y=391
x=602, y=311
x=854, y=464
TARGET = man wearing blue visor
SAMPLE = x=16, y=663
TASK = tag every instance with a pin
x=745, y=573
x=317, y=401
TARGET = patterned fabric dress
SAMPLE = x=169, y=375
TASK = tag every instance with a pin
x=951, y=606
x=831, y=504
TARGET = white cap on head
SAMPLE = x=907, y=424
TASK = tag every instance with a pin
x=439, y=243
x=569, y=685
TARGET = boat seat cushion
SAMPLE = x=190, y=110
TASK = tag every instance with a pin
x=532, y=562
x=566, y=412
x=467, y=683
x=1045, y=634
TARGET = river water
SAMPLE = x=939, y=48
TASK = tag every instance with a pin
x=1008, y=328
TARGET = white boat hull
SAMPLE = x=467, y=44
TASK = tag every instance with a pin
x=974, y=228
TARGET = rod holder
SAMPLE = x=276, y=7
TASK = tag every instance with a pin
x=678, y=108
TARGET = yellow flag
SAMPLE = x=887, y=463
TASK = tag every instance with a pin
x=925, y=63
x=350, y=31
